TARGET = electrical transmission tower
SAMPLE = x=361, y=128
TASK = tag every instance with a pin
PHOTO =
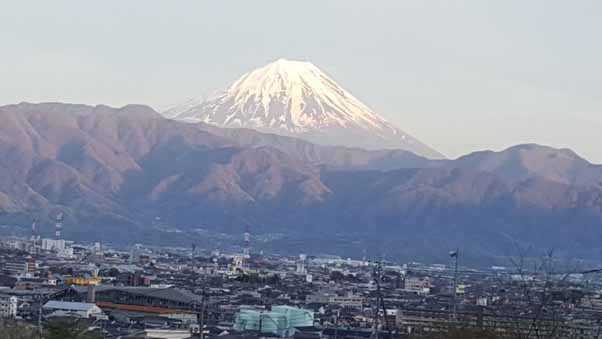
x=379, y=304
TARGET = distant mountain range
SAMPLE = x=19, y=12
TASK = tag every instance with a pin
x=295, y=98
x=115, y=172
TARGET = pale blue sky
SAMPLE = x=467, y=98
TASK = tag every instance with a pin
x=459, y=75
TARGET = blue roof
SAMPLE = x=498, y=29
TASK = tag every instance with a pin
x=68, y=305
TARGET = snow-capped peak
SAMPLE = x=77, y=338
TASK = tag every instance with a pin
x=297, y=98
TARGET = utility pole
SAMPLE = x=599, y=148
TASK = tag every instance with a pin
x=375, y=324
x=202, y=323
x=455, y=254
x=200, y=311
x=40, y=322
x=379, y=305
x=41, y=304
x=260, y=323
x=336, y=325
x=374, y=334
x=380, y=300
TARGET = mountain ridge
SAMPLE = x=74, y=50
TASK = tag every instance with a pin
x=114, y=171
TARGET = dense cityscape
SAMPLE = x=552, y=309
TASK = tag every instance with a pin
x=300, y=169
x=168, y=292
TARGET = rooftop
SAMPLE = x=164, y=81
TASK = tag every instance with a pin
x=68, y=305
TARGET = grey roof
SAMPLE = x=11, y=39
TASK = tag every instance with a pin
x=36, y=292
x=67, y=305
x=170, y=293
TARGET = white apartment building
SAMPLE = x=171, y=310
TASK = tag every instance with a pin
x=8, y=306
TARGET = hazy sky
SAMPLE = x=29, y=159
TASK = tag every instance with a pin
x=459, y=75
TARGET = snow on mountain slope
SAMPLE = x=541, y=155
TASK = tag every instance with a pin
x=296, y=98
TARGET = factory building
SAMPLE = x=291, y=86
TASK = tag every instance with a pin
x=281, y=320
x=170, y=297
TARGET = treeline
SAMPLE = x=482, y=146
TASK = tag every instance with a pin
x=55, y=329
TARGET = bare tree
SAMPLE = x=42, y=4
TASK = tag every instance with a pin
x=538, y=283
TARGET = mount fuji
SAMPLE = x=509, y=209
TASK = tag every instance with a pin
x=295, y=98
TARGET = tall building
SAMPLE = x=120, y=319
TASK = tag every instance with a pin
x=247, y=248
x=301, y=264
x=58, y=226
x=55, y=245
x=35, y=240
x=31, y=265
x=58, y=246
x=135, y=253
